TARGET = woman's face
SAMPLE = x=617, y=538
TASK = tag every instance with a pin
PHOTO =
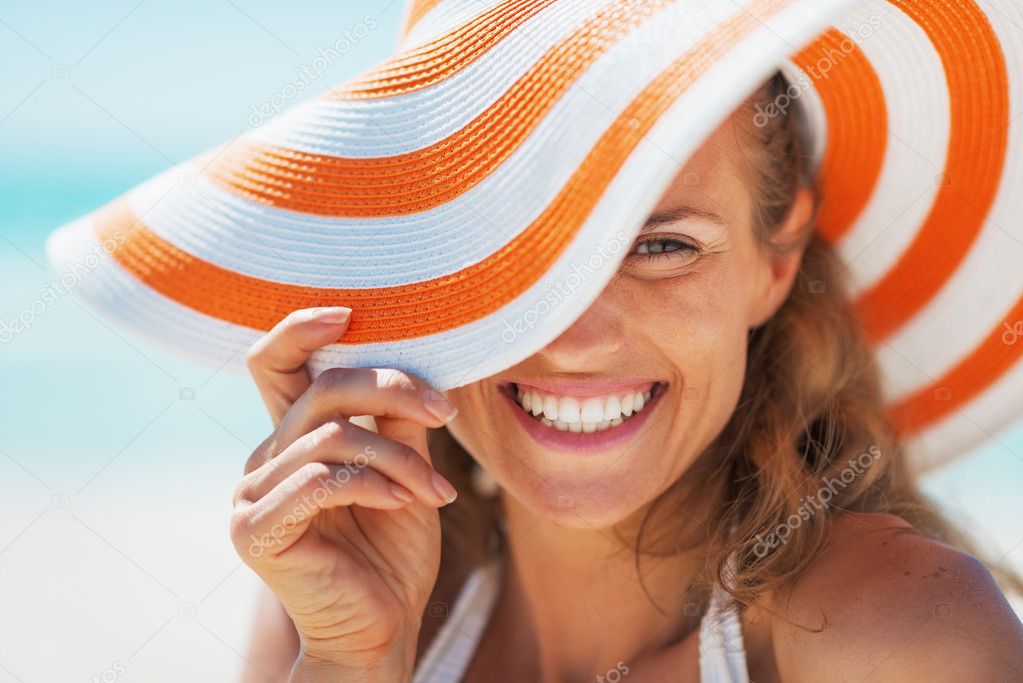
x=641, y=384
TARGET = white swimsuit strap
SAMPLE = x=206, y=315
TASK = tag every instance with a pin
x=450, y=652
x=722, y=654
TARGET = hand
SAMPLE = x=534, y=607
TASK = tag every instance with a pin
x=341, y=522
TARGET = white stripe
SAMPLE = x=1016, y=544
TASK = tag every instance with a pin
x=132, y=306
x=285, y=246
x=411, y=121
x=443, y=18
x=979, y=421
x=917, y=99
x=989, y=281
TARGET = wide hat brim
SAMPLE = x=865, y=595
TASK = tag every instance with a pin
x=471, y=196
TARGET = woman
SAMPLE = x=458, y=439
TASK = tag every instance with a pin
x=670, y=451
x=733, y=394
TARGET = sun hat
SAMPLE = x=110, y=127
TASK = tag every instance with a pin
x=469, y=197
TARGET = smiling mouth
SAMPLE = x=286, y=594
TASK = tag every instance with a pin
x=583, y=414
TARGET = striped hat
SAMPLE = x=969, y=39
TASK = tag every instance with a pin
x=469, y=197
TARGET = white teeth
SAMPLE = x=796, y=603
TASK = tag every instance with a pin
x=592, y=410
x=568, y=409
x=566, y=413
x=627, y=404
x=537, y=406
x=550, y=408
x=612, y=408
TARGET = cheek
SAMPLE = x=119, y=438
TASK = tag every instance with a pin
x=697, y=320
x=472, y=428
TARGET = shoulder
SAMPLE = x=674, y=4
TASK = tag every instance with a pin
x=884, y=602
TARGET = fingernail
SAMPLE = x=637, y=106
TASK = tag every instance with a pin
x=438, y=406
x=444, y=489
x=401, y=493
x=334, y=315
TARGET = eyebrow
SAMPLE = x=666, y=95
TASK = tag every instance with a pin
x=677, y=214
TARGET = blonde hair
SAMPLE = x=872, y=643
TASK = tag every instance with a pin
x=810, y=422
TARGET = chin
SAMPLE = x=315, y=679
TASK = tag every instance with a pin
x=578, y=504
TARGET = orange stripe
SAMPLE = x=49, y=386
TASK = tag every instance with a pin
x=417, y=9
x=854, y=106
x=978, y=85
x=984, y=366
x=444, y=303
x=426, y=178
x=442, y=57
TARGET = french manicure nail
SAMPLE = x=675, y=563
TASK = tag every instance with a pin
x=332, y=316
x=444, y=489
x=438, y=406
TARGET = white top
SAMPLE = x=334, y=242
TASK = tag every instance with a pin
x=722, y=655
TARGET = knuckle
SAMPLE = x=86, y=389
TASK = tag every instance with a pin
x=241, y=493
x=401, y=389
x=327, y=382
x=311, y=474
x=242, y=526
x=255, y=354
x=329, y=435
x=262, y=454
x=410, y=459
x=396, y=380
x=253, y=463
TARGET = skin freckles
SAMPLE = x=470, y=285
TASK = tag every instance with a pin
x=677, y=317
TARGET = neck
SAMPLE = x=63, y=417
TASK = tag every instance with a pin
x=580, y=605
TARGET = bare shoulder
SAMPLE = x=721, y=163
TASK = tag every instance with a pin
x=884, y=602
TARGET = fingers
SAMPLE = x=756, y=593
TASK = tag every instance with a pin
x=339, y=442
x=343, y=392
x=275, y=521
x=277, y=360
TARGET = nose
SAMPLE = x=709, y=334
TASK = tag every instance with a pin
x=593, y=341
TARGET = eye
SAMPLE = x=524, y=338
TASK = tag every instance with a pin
x=659, y=247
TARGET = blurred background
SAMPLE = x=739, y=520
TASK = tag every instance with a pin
x=117, y=462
